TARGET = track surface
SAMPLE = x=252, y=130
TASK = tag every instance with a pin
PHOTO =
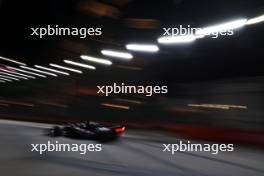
x=135, y=154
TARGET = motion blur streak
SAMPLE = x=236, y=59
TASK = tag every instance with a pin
x=137, y=153
x=52, y=70
x=11, y=60
x=142, y=47
x=255, y=20
x=115, y=106
x=12, y=75
x=96, y=60
x=128, y=67
x=8, y=77
x=117, y=54
x=218, y=106
x=223, y=27
x=20, y=74
x=17, y=103
x=66, y=68
x=142, y=23
x=2, y=104
x=177, y=39
x=3, y=79
x=36, y=70
x=28, y=72
x=54, y=104
x=129, y=101
x=80, y=64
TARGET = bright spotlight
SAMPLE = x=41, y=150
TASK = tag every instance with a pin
x=80, y=64
x=52, y=70
x=117, y=54
x=255, y=20
x=66, y=68
x=222, y=27
x=11, y=60
x=96, y=60
x=142, y=48
x=177, y=39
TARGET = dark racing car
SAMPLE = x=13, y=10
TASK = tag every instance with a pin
x=87, y=130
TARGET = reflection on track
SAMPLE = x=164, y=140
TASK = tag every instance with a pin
x=135, y=154
x=107, y=168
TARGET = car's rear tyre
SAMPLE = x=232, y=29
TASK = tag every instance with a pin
x=55, y=131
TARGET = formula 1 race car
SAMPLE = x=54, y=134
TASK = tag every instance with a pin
x=87, y=130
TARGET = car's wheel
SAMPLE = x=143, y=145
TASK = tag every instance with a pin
x=55, y=131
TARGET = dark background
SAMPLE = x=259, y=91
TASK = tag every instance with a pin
x=227, y=70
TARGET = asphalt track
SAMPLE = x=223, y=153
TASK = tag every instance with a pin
x=135, y=154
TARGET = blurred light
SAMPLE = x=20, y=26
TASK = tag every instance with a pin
x=52, y=70
x=8, y=77
x=28, y=72
x=120, y=130
x=66, y=68
x=4, y=79
x=80, y=64
x=117, y=54
x=177, y=39
x=128, y=67
x=17, y=103
x=99, y=9
x=11, y=60
x=15, y=76
x=2, y=104
x=142, y=47
x=96, y=60
x=142, y=23
x=36, y=70
x=20, y=74
x=218, y=106
x=50, y=103
x=129, y=101
x=208, y=106
x=255, y=20
x=237, y=106
x=222, y=27
x=115, y=106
